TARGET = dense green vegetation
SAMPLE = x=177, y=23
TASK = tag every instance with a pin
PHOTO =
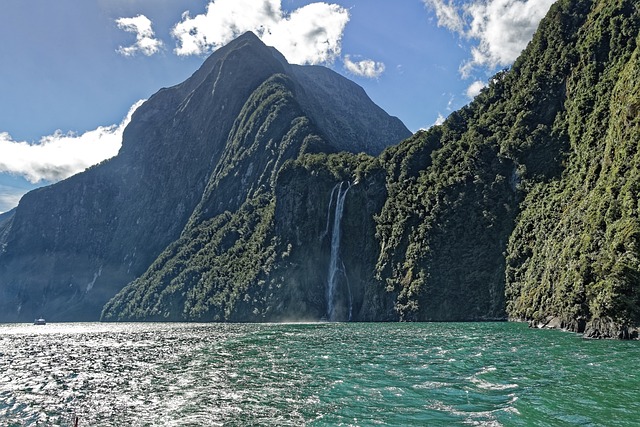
x=449, y=216
x=546, y=159
x=204, y=274
x=574, y=253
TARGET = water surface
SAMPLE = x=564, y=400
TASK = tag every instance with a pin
x=327, y=374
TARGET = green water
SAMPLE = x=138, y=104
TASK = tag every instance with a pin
x=331, y=374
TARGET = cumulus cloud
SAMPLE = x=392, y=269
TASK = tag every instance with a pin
x=61, y=155
x=500, y=29
x=448, y=15
x=364, y=68
x=439, y=120
x=474, y=89
x=146, y=43
x=311, y=34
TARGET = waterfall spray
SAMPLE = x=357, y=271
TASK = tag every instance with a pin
x=335, y=250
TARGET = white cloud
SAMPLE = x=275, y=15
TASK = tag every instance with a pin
x=500, y=29
x=364, y=68
x=309, y=35
x=448, y=15
x=474, y=89
x=450, y=102
x=440, y=120
x=60, y=155
x=146, y=43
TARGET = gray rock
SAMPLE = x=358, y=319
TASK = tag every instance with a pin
x=607, y=328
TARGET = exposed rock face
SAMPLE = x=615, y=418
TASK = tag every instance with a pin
x=609, y=329
x=554, y=322
x=342, y=119
x=308, y=196
x=190, y=153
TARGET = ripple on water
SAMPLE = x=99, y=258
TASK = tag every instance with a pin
x=312, y=374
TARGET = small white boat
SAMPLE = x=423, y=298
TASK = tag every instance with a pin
x=39, y=321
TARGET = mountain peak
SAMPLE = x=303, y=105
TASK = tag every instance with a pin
x=248, y=40
x=245, y=39
x=248, y=36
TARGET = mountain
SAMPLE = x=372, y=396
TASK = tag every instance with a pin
x=522, y=205
x=191, y=153
x=261, y=191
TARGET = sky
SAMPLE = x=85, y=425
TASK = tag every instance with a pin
x=72, y=72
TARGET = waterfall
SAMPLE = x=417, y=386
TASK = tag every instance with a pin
x=344, y=271
x=335, y=250
x=326, y=228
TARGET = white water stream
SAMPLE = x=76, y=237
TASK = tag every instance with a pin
x=332, y=277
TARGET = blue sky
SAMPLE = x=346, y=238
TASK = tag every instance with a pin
x=73, y=71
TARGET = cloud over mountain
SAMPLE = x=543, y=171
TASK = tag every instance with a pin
x=364, y=68
x=311, y=34
x=475, y=88
x=500, y=29
x=61, y=155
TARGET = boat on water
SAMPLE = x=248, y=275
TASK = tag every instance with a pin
x=40, y=321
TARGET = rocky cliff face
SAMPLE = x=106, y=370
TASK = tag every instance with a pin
x=332, y=249
x=190, y=154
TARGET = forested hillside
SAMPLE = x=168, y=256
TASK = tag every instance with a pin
x=575, y=252
x=542, y=167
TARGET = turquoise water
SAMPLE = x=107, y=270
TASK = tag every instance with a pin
x=327, y=374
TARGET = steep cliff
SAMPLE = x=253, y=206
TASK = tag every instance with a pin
x=537, y=178
x=575, y=252
x=191, y=153
x=278, y=251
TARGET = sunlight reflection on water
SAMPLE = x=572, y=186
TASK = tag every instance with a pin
x=311, y=374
